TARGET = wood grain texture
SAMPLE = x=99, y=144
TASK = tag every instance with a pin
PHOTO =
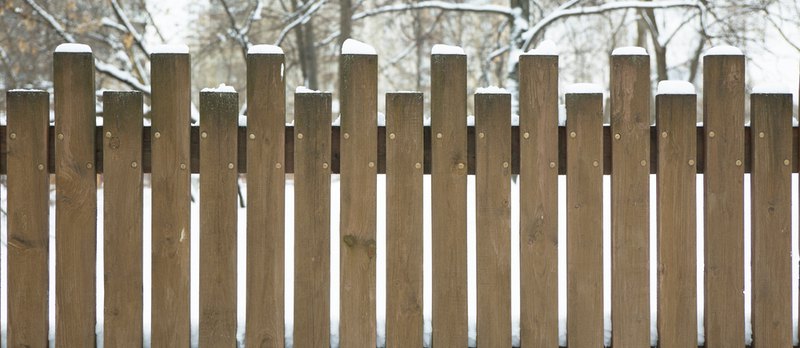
x=584, y=221
x=312, y=196
x=723, y=112
x=28, y=218
x=449, y=199
x=404, y=219
x=493, y=220
x=219, y=117
x=266, y=186
x=76, y=199
x=630, y=201
x=771, y=219
x=357, y=227
x=676, y=116
x=538, y=184
x=171, y=234
x=122, y=222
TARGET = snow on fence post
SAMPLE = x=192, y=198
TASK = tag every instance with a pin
x=219, y=116
x=404, y=219
x=358, y=168
x=676, y=115
x=122, y=223
x=585, y=216
x=28, y=218
x=449, y=195
x=266, y=185
x=170, y=165
x=723, y=112
x=76, y=195
x=312, y=197
x=630, y=201
x=493, y=217
x=771, y=216
x=538, y=183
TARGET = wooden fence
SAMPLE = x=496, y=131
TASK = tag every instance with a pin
x=538, y=149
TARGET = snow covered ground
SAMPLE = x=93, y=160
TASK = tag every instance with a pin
x=381, y=263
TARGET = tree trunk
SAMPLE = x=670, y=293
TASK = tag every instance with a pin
x=304, y=34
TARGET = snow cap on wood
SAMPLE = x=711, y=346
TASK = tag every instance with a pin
x=304, y=89
x=264, y=49
x=491, y=90
x=447, y=49
x=629, y=51
x=222, y=88
x=771, y=88
x=675, y=87
x=170, y=49
x=584, y=88
x=356, y=47
x=724, y=50
x=545, y=48
x=73, y=48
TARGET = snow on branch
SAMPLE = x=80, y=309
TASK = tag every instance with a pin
x=302, y=19
x=123, y=17
x=438, y=5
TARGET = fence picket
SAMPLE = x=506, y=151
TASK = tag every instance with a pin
x=76, y=198
x=404, y=224
x=493, y=220
x=312, y=224
x=538, y=184
x=584, y=220
x=122, y=209
x=723, y=112
x=266, y=185
x=171, y=100
x=771, y=218
x=219, y=114
x=357, y=231
x=677, y=220
x=28, y=218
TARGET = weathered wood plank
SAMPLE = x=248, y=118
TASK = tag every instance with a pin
x=404, y=219
x=312, y=187
x=771, y=219
x=219, y=115
x=28, y=218
x=493, y=220
x=76, y=199
x=357, y=228
x=584, y=220
x=122, y=222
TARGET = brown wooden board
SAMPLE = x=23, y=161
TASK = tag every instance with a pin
x=219, y=116
x=538, y=186
x=357, y=228
x=449, y=199
x=404, y=219
x=28, y=218
x=630, y=201
x=677, y=220
x=723, y=112
x=171, y=100
x=122, y=222
x=266, y=185
x=584, y=220
x=76, y=199
x=493, y=219
x=771, y=219
x=312, y=197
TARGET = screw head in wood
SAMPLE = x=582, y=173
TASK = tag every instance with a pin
x=761, y=134
x=278, y=165
x=183, y=166
x=596, y=164
x=391, y=136
x=664, y=134
x=134, y=164
x=738, y=163
x=526, y=135
x=108, y=134
x=60, y=136
x=299, y=135
x=371, y=164
x=691, y=162
x=711, y=134
x=418, y=165
x=572, y=134
x=12, y=136
x=461, y=166
x=230, y=165
x=40, y=166
x=438, y=135
x=616, y=136
x=346, y=135
x=505, y=164
x=89, y=165
x=204, y=135
x=325, y=165
x=157, y=135
x=481, y=135
x=552, y=164
x=643, y=163
x=786, y=162
x=252, y=136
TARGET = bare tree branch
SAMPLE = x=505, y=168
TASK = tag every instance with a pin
x=127, y=23
x=306, y=15
x=437, y=5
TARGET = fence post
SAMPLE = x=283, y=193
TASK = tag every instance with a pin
x=584, y=218
x=723, y=110
x=676, y=116
x=28, y=218
x=171, y=101
x=76, y=196
x=266, y=185
x=358, y=168
x=630, y=189
x=312, y=199
x=219, y=117
x=404, y=219
x=122, y=223
x=771, y=217
x=538, y=184
x=449, y=201
x=493, y=220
